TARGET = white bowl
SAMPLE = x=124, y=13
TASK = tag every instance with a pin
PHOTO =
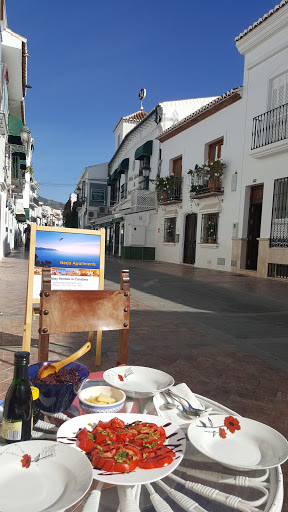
x=138, y=381
x=86, y=406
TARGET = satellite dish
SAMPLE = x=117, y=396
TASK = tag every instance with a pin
x=142, y=95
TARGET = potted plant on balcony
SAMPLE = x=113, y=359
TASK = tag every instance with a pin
x=207, y=175
x=167, y=187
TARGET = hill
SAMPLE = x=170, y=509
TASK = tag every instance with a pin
x=50, y=202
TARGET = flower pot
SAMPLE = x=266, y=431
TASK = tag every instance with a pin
x=210, y=240
x=213, y=184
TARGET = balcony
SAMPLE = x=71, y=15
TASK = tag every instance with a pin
x=143, y=200
x=270, y=127
x=169, y=189
x=18, y=185
x=209, y=188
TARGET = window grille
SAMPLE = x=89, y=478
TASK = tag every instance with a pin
x=279, y=223
x=170, y=229
x=277, y=270
x=209, y=231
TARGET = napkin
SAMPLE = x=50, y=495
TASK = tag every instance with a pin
x=175, y=415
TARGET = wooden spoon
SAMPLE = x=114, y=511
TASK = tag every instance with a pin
x=47, y=369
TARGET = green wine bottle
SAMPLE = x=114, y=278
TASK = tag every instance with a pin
x=17, y=414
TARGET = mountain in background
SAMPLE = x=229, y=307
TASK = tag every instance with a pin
x=50, y=202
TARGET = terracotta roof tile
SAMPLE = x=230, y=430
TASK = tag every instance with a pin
x=137, y=116
x=133, y=118
x=272, y=11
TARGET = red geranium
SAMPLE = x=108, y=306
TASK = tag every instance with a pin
x=26, y=461
x=222, y=433
x=231, y=424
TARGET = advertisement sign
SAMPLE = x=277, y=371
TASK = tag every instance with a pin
x=74, y=260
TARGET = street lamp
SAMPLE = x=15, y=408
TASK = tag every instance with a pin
x=25, y=134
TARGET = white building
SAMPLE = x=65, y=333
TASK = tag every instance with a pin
x=92, y=195
x=133, y=170
x=262, y=242
x=196, y=216
x=15, y=139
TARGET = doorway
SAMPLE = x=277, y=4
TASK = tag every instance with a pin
x=190, y=239
x=254, y=226
x=116, y=238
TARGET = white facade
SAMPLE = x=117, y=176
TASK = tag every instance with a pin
x=92, y=194
x=265, y=94
x=191, y=144
x=132, y=175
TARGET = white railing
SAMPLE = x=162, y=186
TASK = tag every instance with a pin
x=143, y=200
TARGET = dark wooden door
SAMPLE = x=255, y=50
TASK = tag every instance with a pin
x=254, y=226
x=190, y=239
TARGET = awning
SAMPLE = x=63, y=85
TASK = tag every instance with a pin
x=113, y=177
x=144, y=150
x=15, y=126
x=124, y=166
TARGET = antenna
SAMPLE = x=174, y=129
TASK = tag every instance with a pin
x=142, y=95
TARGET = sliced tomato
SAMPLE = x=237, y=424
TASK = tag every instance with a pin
x=155, y=462
x=85, y=439
x=116, y=423
x=105, y=435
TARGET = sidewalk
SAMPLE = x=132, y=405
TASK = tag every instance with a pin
x=223, y=335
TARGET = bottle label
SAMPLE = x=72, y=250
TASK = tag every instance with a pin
x=11, y=430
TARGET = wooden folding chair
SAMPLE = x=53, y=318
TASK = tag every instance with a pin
x=64, y=311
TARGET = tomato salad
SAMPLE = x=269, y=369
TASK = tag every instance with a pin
x=115, y=447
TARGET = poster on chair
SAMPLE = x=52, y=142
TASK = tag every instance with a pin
x=76, y=258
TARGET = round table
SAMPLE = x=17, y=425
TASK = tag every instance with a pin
x=199, y=484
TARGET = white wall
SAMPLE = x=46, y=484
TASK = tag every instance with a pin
x=266, y=57
x=191, y=145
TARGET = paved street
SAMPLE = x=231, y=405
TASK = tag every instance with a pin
x=224, y=335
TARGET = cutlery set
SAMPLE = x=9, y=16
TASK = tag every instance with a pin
x=184, y=405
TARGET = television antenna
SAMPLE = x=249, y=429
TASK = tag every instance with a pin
x=142, y=96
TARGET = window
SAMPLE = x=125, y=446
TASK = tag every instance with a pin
x=177, y=167
x=214, y=150
x=209, y=232
x=170, y=229
x=279, y=224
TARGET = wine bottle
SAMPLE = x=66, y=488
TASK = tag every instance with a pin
x=17, y=414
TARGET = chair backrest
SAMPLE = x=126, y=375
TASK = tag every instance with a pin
x=64, y=311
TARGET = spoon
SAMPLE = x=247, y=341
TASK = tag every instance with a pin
x=48, y=368
x=170, y=405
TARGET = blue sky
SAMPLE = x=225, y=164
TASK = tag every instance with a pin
x=89, y=60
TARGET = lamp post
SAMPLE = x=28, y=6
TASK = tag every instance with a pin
x=25, y=135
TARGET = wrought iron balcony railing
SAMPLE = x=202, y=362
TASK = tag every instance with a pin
x=169, y=189
x=208, y=188
x=272, y=126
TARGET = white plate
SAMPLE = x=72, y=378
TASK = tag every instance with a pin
x=57, y=477
x=254, y=446
x=138, y=381
x=139, y=476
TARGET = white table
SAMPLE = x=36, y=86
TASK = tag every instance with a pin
x=198, y=484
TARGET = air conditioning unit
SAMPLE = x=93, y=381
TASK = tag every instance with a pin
x=91, y=214
x=103, y=209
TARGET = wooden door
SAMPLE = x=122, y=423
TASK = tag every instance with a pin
x=177, y=167
x=190, y=239
x=254, y=226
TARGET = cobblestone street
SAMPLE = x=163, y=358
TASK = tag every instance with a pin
x=223, y=334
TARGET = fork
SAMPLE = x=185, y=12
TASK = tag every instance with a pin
x=184, y=410
x=178, y=397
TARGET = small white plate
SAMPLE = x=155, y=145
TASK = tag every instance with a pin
x=139, y=476
x=254, y=446
x=56, y=476
x=138, y=381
